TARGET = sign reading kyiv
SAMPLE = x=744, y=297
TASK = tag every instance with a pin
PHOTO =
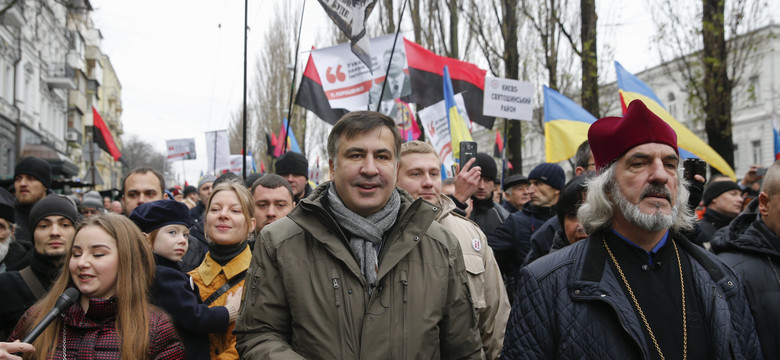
x=507, y=98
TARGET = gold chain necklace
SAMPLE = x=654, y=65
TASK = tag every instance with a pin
x=639, y=309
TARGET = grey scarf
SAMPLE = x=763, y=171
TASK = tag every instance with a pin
x=366, y=233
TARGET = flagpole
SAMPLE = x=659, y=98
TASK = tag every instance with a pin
x=503, y=153
x=392, y=52
x=243, y=148
x=292, y=83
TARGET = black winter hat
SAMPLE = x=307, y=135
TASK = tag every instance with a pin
x=292, y=163
x=156, y=214
x=488, y=166
x=514, y=180
x=6, y=206
x=550, y=174
x=717, y=188
x=53, y=205
x=35, y=167
x=189, y=189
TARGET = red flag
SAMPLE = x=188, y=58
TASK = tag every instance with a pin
x=312, y=97
x=280, y=141
x=102, y=136
x=262, y=166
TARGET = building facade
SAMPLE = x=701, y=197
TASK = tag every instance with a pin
x=48, y=85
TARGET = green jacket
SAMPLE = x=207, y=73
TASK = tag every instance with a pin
x=305, y=296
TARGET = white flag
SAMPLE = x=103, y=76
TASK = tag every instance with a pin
x=437, y=129
x=218, y=151
x=181, y=149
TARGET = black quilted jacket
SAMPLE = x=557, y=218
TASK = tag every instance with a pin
x=570, y=305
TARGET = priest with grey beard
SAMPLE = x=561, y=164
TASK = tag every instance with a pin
x=636, y=288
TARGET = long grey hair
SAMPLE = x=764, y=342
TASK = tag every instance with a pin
x=597, y=212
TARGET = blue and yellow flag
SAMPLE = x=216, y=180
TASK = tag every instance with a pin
x=690, y=146
x=458, y=129
x=566, y=126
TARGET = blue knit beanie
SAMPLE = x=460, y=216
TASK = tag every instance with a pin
x=550, y=174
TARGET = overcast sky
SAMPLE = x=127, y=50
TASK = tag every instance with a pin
x=180, y=63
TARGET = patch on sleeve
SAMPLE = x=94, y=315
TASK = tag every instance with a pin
x=476, y=244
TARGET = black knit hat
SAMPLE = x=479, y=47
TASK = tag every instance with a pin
x=35, y=167
x=53, y=205
x=717, y=188
x=6, y=206
x=189, y=189
x=488, y=166
x=156, y=214
x=514, y=180
x=550, y=174
x=292, y=163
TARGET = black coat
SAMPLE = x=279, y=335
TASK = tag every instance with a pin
x=174, y=292
x=570, y=305
x=542, y=240
x=17, y=297
x=487, y=214
x=753, y=251
x=512, y=240
x=711, y=222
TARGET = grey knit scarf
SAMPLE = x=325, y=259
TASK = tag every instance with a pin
x=366, y=233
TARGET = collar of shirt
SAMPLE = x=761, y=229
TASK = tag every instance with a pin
x=209, y=269
x=650, y=254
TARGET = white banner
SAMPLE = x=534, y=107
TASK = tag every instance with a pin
x=181, y=149
x=235, y=164
x=437, y=129
x=217, y=151
x=508, y=99
x=350, y=85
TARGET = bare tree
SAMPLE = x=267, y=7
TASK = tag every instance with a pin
x=709, y=58
x=140, y=153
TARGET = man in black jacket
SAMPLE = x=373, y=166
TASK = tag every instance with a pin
x=485, y=212
x=32, y=180
x=635, y=288
x=723, y=200
x=53, y=221
x=751, y=246
x=512, y=240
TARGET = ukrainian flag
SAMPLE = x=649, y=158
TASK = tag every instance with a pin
x=690, y=146
x=458, y=129
x=566, y=126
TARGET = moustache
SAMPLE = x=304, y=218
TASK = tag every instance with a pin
x=656, y=190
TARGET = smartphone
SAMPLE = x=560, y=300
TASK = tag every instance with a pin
x=694, y=167
x=468, y=150
x=761, y=171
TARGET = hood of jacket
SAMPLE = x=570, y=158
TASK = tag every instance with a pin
x=747, y=233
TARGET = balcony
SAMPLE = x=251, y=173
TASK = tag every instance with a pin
x=77, y=101
x=76, y=60
x=13, y=16
x=60, y=76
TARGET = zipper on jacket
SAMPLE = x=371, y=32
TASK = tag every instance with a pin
x=334, y=277
x=623, y=325
x=255, y=279
x=404, y=285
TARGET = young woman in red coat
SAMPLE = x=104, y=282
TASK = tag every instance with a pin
x=112, y=266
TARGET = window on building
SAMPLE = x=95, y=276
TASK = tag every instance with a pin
x=672, y=104
x=755, y=92
x=756, y=151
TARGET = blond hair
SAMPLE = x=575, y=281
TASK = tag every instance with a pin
x=244, y=198
x=418, y=147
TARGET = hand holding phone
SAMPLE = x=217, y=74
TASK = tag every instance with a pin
x=468, y=150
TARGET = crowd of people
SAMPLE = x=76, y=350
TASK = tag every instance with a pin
x=629, y=259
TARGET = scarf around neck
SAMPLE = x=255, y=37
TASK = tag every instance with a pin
x=365, y=233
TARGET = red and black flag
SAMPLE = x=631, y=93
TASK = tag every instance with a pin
x=102, y=136
x=312, y=97
x=426, y=70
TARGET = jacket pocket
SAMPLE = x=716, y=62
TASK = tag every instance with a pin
x=255, y=280
x=335, y=280
x=475, y=271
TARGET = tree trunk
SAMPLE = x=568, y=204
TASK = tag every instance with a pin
x=590, y=70
x=453, y=4
x=514, y=136
x=389, y=13
x=717, y=85
x=416, y=20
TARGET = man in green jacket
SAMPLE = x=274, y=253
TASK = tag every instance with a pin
x=359, y=270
